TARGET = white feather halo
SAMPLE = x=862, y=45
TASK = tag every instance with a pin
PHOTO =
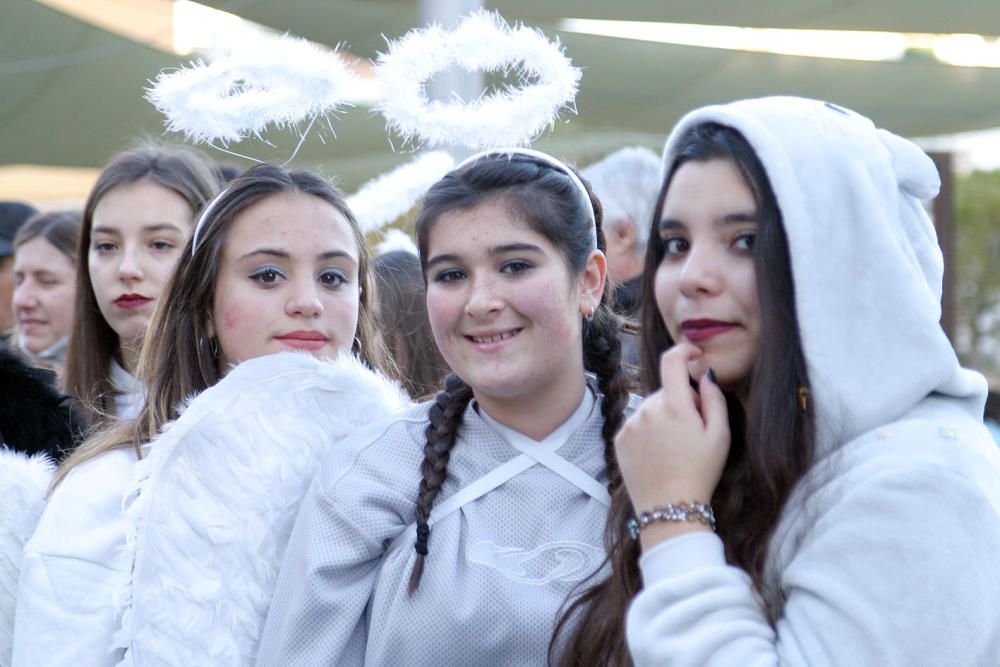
x=482, y=41
x=396, y=240
x=237, y=94
x=386, y=197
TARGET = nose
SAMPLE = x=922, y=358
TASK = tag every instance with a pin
x=701, y=271
x=130, y=267
x=304, y=299
x=24, y=297
x=484, y=298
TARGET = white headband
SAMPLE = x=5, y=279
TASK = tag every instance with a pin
x=552, y=162
x=203, y=217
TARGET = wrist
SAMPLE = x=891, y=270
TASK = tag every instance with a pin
x=656, y=534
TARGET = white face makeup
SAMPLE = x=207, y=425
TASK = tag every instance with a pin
x=45, y=287
x=136, y=239
x=504, y=308
x=288, y=280
x=705, y=285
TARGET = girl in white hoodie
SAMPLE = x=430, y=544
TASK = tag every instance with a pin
x=807, y=406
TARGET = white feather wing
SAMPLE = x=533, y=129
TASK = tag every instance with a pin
x=23, y=482
x=215, y=500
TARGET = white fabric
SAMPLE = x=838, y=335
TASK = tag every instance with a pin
x=130, y=395
x=23, y=481
x=210, y=509
x=497, y=572
x=886, y=554
x=72, y=566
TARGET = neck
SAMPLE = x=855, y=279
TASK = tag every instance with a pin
x=534, y=416
x=128, y=351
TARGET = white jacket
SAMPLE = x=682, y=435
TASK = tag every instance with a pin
x=887, y=552
x=73, y=566
x=23, y=482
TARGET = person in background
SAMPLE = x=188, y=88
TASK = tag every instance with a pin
x=627, y=182
x=12, y=215
x=401, y=310
x=136, y=220
x=45, y=285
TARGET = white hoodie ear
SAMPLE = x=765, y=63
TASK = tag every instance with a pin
x=915, y=171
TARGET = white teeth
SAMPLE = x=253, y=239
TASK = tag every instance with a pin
x=493, y=339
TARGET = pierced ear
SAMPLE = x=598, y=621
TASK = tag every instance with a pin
x=210, y=326
x=595, y=272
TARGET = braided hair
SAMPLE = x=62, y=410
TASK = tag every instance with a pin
x=545, y=197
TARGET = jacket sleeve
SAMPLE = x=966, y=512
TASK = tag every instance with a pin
x=897, y=567
x=72, y=568
x=331, y=565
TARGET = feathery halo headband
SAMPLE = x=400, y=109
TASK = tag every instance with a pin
x=237, y=94
x=481, y=41
x=553, y=162
x=204, y=216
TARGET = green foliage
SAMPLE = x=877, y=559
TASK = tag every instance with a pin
x=977, y=270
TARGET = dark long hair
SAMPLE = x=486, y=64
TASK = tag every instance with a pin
x=179, y=359
x=402, y=314
x=545, y=198
x=93, y=343
x=772, y=441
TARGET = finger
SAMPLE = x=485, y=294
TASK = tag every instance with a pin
x=674, y=377
x=714, y=412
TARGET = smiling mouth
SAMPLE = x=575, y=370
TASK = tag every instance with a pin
x=495, y=338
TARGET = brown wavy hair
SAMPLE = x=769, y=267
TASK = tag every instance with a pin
x=772, y=439
x=179, y=358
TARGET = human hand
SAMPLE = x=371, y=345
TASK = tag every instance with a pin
x=674, y=447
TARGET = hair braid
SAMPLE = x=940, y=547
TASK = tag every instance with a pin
x=445, y=417
x=591, y=640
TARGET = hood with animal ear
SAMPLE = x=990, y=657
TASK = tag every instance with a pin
x=865, y=259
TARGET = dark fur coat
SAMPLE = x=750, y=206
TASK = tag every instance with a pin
x=34, y=415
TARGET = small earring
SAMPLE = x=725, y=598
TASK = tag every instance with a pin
x=804, y=398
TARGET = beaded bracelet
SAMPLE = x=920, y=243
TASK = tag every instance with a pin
x=693, y=511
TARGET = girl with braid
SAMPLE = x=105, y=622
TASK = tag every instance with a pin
x=454, y=534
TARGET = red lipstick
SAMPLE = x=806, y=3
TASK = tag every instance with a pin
x=129, y=301
x=303, y=340
x=705, y=329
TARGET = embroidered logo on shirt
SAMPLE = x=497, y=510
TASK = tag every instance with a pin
x=563, y=560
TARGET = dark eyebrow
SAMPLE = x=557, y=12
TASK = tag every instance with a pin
x=668, y=224
x=281, y=254
x=157, y=227
x=496, y=250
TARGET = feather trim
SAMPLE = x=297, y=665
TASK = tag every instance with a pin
x=396, y=240
x=282, y=80
x=23, y=482
x=387, y=197
x=212, y=506
x=482, y=41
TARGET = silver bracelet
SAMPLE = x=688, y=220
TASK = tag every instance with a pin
x=692, y=511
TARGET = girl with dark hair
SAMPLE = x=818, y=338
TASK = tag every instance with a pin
x=807, y=406
x=454, y=533
x=136, y=219
x=166, y=531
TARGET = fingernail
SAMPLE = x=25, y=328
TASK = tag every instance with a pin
x=711, y=376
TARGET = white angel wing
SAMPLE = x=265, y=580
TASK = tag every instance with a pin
x=215, y=500
x=23, y=482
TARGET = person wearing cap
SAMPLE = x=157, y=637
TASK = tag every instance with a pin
x=13, y=214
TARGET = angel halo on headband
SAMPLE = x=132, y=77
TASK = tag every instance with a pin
x=290, y=81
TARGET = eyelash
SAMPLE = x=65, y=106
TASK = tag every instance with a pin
x=258, y=275
x=749, y=237
x=339, y=278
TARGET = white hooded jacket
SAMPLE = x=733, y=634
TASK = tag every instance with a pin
x=887, y=552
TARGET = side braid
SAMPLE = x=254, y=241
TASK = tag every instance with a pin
x=442, y=431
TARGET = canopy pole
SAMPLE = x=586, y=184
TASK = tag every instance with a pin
x=452, y=82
